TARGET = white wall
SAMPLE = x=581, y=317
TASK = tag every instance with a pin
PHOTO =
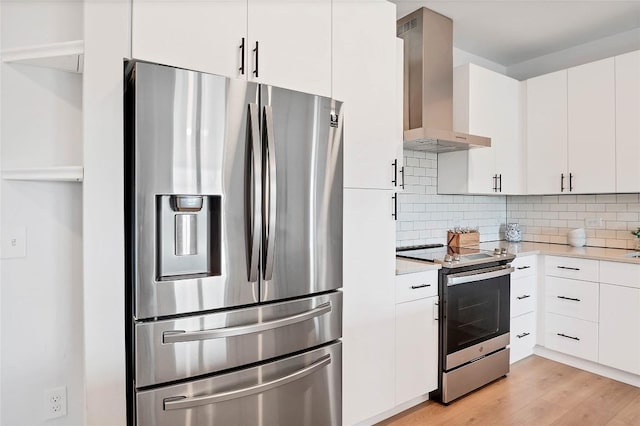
x=460, y=57
x=41, y=304
x=588, y=52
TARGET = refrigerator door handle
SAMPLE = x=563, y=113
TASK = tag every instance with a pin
x=253, y=194
x=176, y=336
x=270, y=192
x=183, y=402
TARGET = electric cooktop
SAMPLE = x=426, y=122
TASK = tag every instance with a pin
x=453, y=257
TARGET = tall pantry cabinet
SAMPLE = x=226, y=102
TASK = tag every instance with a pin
x=363, y=41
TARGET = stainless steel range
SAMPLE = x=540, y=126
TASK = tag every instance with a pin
x=474, y=316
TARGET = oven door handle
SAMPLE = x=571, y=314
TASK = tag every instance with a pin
x=483, y=274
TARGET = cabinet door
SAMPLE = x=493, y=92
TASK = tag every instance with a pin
x=628, y=122
x=494, y=112
x=619, y=327
x=200, y=35
x=416, y=349
x=294, y=44
x=591, y=130
x=364, y=73
x=546, y=112
x=369, y=308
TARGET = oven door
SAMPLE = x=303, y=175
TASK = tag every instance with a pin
x=477, y=314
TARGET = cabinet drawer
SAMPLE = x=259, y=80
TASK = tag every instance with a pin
x=523, y=336
x=523, y=296
x=626, y=274
x=416, y=286
x=572, y=298
x=525, y=266
x=572, y=336
x=571, y=267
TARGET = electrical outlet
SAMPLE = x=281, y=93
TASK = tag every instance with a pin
x=14, y=242
x=594, y=223
x=55, y=402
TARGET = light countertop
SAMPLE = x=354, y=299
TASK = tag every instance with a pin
x=408, y=266
x=596, y=253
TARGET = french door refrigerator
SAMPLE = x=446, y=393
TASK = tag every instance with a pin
x=233, y=199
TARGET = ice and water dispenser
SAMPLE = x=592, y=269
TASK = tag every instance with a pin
x=188, y=236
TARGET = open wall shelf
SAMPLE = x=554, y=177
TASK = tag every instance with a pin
x=65, y=56
x=51, y=174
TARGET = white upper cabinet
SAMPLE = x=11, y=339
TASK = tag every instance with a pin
x=591, y=127
x=285, y=43
x=546, y=133
x=628, y=122
x=193, y=34
x=364, y=78
x=486, y=103
x=294, y=44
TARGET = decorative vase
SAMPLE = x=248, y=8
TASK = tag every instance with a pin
x=513, y=234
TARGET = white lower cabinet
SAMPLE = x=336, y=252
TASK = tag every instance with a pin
x=572, y=336
x=523, y=336
x=523, y=307
x=620, y=327
x=416, y=335
x=571, y=301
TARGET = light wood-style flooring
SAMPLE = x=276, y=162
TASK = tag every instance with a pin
x=536, y=392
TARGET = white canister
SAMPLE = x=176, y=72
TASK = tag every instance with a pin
x=577, y=237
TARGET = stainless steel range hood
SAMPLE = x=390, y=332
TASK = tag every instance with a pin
x=428, y=85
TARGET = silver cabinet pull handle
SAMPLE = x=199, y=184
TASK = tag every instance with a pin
x=176, y=336
x=253, y=196
x=270, y=192
x=415, y=287
x=436, y=311
x=524, y=296
x=568, y=298
x=183, y=402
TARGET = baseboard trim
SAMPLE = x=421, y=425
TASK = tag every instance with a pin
x=590, y=366
x=395, y=410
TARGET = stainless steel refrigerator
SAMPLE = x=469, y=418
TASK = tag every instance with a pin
x=233, y=212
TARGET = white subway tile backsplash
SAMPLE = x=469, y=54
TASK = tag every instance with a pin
x=424, y=216
x=620, y=214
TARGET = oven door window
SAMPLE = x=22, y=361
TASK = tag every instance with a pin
x=476, y=312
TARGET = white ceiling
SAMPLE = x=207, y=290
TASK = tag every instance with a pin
x=509, y=32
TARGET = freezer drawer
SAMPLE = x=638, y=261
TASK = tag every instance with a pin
x=181, y=348
x=302, y=390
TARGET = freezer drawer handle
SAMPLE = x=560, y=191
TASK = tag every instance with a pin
x=176, y=336
x=184, y=402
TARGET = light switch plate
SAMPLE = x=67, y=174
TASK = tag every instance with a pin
x=14, y=242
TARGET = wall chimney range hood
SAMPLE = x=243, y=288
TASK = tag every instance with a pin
x=428, y=85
